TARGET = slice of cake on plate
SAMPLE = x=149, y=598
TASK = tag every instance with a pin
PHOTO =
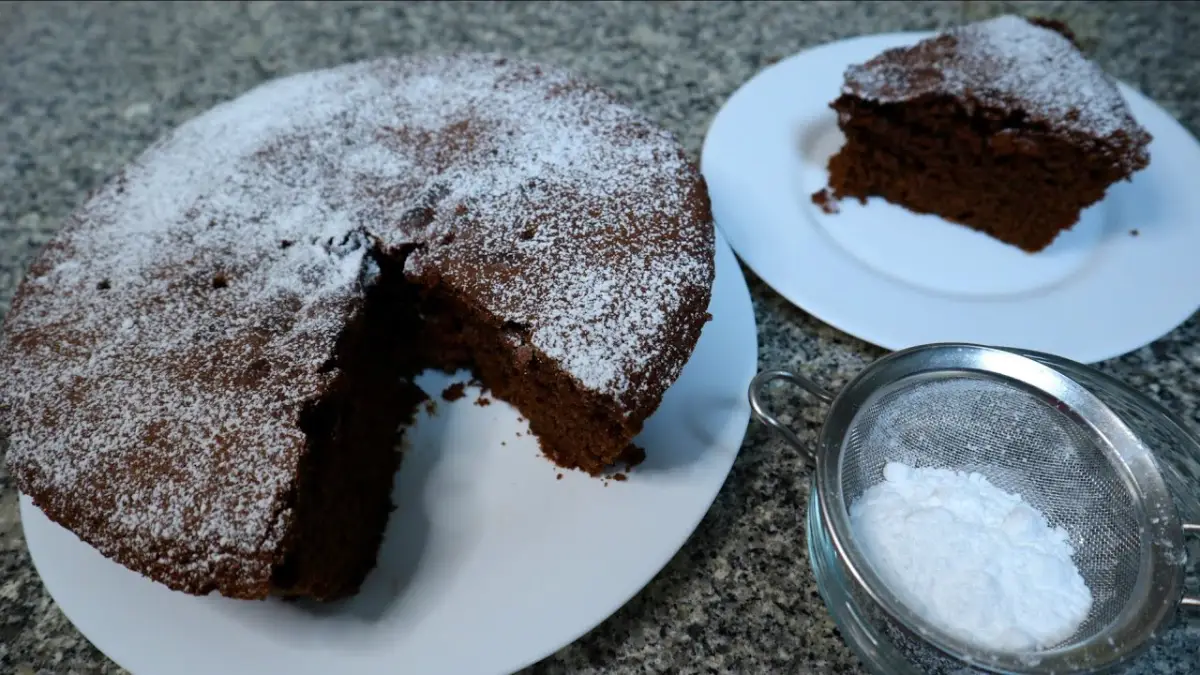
x=1003, y=126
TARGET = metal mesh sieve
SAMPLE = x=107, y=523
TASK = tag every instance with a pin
x=1031, y=430
x=1022, y=444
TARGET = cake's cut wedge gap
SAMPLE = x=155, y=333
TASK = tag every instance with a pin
x=346, y=476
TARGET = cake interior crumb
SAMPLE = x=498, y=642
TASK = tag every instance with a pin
x=825, y=200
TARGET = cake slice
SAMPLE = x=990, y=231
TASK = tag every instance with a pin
x=1002, y=125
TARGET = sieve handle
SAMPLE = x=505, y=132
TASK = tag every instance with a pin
x=759, y=384
x=1190, y=601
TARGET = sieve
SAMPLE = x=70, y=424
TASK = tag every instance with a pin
x=1032, y=430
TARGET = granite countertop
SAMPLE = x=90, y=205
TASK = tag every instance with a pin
x=86, y=86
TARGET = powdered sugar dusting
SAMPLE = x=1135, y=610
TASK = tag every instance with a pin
x=548, y=208
x=180, y=322
x=1006, y=62
x=975, y=561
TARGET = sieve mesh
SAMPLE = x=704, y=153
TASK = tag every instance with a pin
x=1020, y=442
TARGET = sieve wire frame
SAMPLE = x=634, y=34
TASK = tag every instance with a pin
x=1159, y=585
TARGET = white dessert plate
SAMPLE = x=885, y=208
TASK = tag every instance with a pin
x=490, y=562
x=1120, y=278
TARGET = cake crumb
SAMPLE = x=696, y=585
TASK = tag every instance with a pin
x=454, y=391
x=825, y=200
x=631, y=457
x=431, y=407
x=1134, y=233
x=620, y=477
x=559, y=477
x=483, y=401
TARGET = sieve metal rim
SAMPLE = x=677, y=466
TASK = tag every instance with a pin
x=1132, y=629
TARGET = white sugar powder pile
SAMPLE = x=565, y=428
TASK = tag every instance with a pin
x=975, y=561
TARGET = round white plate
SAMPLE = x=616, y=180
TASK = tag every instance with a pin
x=489, y=563
x=898, y=279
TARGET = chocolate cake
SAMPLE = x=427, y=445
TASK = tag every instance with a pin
x=1002, y=126
x=206, y=369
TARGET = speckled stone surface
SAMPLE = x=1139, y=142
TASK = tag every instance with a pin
x=84, y=87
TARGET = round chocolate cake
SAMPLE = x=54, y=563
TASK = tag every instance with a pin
x=205, y=370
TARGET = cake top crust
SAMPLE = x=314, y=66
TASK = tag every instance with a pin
x=161, y=349
x=1006, y=63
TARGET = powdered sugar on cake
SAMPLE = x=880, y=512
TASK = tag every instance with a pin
x=1005, y=62
x=198, y=296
